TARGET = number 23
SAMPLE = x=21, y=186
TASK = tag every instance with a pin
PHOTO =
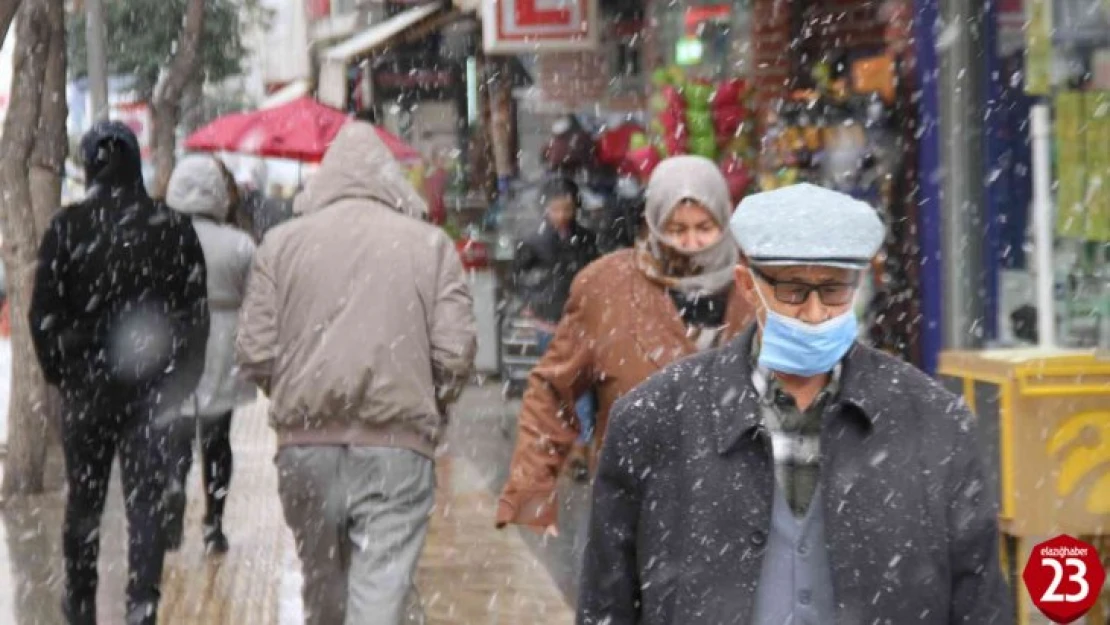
x=1080, y=577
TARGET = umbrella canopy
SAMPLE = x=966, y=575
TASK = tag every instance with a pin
x=300, y=130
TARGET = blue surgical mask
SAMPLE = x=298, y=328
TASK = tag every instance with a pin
x=799, y=348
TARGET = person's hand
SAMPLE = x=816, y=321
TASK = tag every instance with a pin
x=551, y=531
x=537, y=513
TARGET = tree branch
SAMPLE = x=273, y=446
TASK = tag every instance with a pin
x=184, y=61
x=30, y=184
x=28, y=75
x=8, y=9
x=51, y=145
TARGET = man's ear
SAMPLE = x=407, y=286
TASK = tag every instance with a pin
x=746, y=283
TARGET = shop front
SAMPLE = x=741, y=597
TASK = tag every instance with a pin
x=1067, y=71
x=775, y=92
x=836, y=106
x=1044, y=243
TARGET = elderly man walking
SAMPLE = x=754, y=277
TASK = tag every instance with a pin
x=358, y=325
x=794, y=475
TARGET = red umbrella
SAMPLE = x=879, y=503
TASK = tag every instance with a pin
x=301, y=130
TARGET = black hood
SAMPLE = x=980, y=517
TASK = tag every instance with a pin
x=111, y=155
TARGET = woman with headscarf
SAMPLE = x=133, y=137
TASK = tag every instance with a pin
x=629, y=314
x=204, y=189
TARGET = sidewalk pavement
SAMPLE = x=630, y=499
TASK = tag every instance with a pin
x=470, y=573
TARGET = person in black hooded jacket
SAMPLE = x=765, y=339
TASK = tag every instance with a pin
x=544, y=267
x=546, y=262
x=119, y=322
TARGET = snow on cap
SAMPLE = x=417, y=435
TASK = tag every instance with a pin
x=804, y=224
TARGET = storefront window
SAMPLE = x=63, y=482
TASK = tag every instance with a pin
x=1065, y=64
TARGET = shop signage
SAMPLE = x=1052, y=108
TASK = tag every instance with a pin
x=422, y=79
x=136, y=116
x=398, y=76
x=539, y=26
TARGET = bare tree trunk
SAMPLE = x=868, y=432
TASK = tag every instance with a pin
x=482, y=172
x=8, y=9
x=34, y=145
x=501, y=118
x=192, y=104
x=166, y=107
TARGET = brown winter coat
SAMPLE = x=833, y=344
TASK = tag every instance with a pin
x=618, y=329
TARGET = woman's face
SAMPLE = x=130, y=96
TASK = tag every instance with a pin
x=691, y=228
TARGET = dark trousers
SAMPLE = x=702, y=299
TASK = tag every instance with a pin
x=216, y=461
x=92, y=437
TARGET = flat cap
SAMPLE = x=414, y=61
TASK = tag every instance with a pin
x=805, y=224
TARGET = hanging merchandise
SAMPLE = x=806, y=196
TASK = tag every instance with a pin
x=702, y=117
x=840, y=135
x=614, y=144
x=570, y=148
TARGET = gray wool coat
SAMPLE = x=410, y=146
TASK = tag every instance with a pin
x=197, y=188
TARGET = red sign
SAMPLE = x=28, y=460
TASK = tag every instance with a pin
x=537, y=26
x=529, y=13
x=474, y=254
x=319, y=9
x=1064, y=577
x=136, y=116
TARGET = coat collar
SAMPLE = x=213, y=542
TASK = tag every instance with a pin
x=658, y=328
x=862, y=390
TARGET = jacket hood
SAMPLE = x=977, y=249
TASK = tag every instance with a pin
x=111, y=155
x=197, y=187
x=358, y=166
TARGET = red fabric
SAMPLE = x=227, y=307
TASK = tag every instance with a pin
x=435, y=188
x=612, y=146
x=727, y=120
x=301, y=130
x=640, y=163
x=729, y=93
x=739, y=178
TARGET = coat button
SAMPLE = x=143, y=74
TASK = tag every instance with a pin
x=758, y=538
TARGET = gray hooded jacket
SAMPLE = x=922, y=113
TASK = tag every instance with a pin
x=358, y=319
x=197, y=188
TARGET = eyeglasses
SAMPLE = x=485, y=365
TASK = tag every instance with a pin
x=796, y=293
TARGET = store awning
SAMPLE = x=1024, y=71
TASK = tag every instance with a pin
x=380, y=35
x=290, y=92
x=333, y=69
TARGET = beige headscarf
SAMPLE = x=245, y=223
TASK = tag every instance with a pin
x=689, y=178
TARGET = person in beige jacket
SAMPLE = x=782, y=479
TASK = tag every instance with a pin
x=358, y=325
